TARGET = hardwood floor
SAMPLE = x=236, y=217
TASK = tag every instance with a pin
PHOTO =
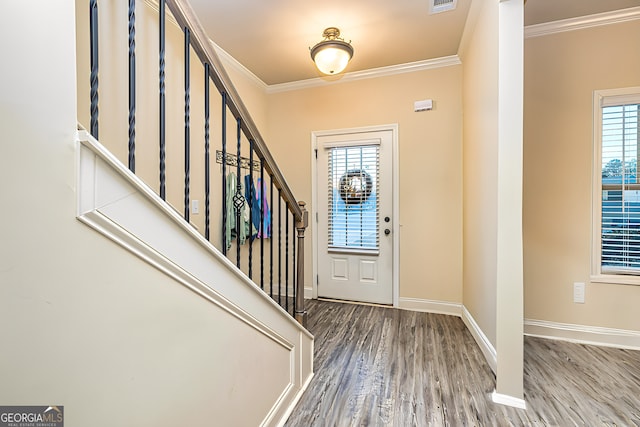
x=379, y=366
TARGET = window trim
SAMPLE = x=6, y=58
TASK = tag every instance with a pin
x=602, y=98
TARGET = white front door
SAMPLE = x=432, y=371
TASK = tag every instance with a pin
x=355, y=206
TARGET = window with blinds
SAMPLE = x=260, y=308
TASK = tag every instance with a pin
x=353, y=177
x=620, y=207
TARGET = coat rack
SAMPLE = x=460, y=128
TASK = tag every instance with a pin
x=232, y=160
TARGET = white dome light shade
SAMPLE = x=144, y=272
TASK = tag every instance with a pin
x=331, y=55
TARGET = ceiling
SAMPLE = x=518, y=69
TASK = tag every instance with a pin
x=272, y=38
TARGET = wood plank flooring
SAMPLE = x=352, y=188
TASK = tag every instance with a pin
x=377, y=366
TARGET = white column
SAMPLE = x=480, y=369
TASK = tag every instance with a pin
x=509, y=304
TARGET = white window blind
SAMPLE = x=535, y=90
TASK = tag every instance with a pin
x=353, y=178
x=620, y=214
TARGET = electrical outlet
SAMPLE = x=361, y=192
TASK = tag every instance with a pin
x=578, y=292
x=195, y=207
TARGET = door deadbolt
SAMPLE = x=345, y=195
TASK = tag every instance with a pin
x=387, y=219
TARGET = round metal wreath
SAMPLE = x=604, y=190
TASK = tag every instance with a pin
x=355, y=186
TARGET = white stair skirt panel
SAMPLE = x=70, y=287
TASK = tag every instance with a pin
x=114, y=202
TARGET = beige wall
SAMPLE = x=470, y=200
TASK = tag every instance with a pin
x=251, y=90
x=561, y=73
x=430, y=163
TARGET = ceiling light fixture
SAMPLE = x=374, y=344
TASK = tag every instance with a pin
x=332, y=54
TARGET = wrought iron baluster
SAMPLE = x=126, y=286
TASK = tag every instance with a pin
x=293, y=260
x=93, y=35
x=207, y=160
x=187, y=119
x=271, y=240
x=279, y=246
x=238, y=199
x=162, y=99
x=225, y=204
x=301, y=225
x=263, y=200
x=251, y=192
x=132, y=86
x=286, y=258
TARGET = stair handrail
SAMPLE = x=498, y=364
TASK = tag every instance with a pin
x=201, y=44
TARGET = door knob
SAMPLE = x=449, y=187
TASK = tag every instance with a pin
x=387, y=231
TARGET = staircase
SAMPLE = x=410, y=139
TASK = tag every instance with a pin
x=172, y=168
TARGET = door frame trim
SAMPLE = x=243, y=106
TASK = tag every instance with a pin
x=395, y=199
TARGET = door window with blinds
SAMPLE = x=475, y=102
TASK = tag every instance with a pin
x=619, y=193
x=353, y=173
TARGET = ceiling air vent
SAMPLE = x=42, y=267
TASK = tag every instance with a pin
x=437, y=6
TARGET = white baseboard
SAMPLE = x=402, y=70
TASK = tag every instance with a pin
x=454, y=309
x=485, y=345
x=308, y=293
x=504, y=399
x=593, y=335
x=294, y=402
x=430, y=306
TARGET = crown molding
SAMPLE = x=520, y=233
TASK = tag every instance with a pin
x=531, y=31
x=319, y=81
x=234, y=63
x=409, y=67
x=582, y=22
x=228, y=59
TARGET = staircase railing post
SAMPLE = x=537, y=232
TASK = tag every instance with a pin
x=301, y=226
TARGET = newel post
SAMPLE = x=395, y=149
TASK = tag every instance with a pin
x=301, y=225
